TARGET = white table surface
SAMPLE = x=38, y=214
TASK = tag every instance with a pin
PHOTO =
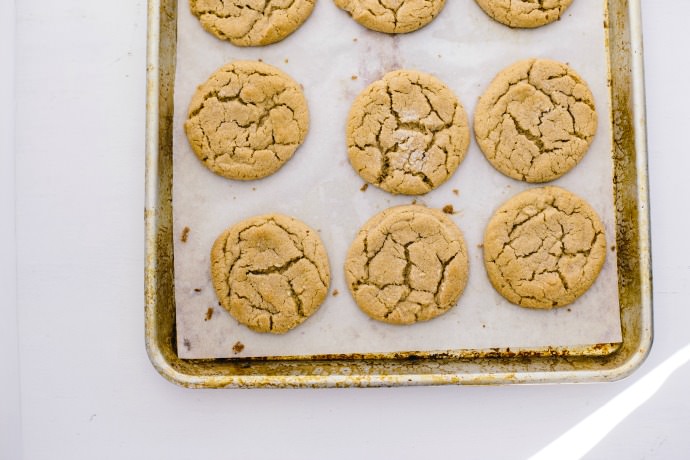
x=76, y=381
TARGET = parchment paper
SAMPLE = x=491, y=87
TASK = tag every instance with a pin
x=465, y=49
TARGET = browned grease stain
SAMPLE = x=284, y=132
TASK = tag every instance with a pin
x=185, y=235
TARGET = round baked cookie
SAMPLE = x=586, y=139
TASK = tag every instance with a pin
x=536, y=120
x=251, y=22
x=407, y=264
x=392, y=16
x=525, y=14
x=270, y=272
x=247, y=120
x=544, y=248
x=407, y=133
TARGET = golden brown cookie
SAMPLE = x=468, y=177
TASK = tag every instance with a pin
x=247, y=120
x=525, y=14
x=536, y=120
x=407, y=133
x=544, y=248
x=392, y=16
x=407, y=264
x=270, y=272
x=251, y=22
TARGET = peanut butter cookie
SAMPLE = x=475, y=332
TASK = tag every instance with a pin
x=392, y=16
x=544, y=248
x=247, y=120
x=526, y=14
x=536, y=120
x=251, y=22
x=407, y=264
x=407, y=133
x=270, y=272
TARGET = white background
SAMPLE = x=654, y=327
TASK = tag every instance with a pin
x=75, y=381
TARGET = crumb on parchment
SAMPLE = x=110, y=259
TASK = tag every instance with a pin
x=238, y=347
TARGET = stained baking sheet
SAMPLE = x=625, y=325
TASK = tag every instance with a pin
x=465, y=49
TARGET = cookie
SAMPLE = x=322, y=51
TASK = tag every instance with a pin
x=251, y=22
x=407, y=133
x=544, y=248
x=392, y=16
x=270, y=272
x=247, y=120
x=536, y=120
x=407, y=264
x=525, y=14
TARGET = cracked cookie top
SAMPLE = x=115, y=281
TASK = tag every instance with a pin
x=251, y=22
x=544, y=248
x=392, y=16
x=407, y=133
x=526, y=14
x=247, y=120
x=407, y=264
x=536, y=120
x=270, y=272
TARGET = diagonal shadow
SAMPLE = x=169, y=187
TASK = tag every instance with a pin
x=583, y=437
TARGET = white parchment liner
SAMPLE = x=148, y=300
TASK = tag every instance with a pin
x=465, y=49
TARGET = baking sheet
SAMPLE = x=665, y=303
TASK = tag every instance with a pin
x=465, y=49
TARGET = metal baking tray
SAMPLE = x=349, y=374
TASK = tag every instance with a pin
x=600, y=362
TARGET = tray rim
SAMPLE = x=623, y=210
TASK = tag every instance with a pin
x=170, y=366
